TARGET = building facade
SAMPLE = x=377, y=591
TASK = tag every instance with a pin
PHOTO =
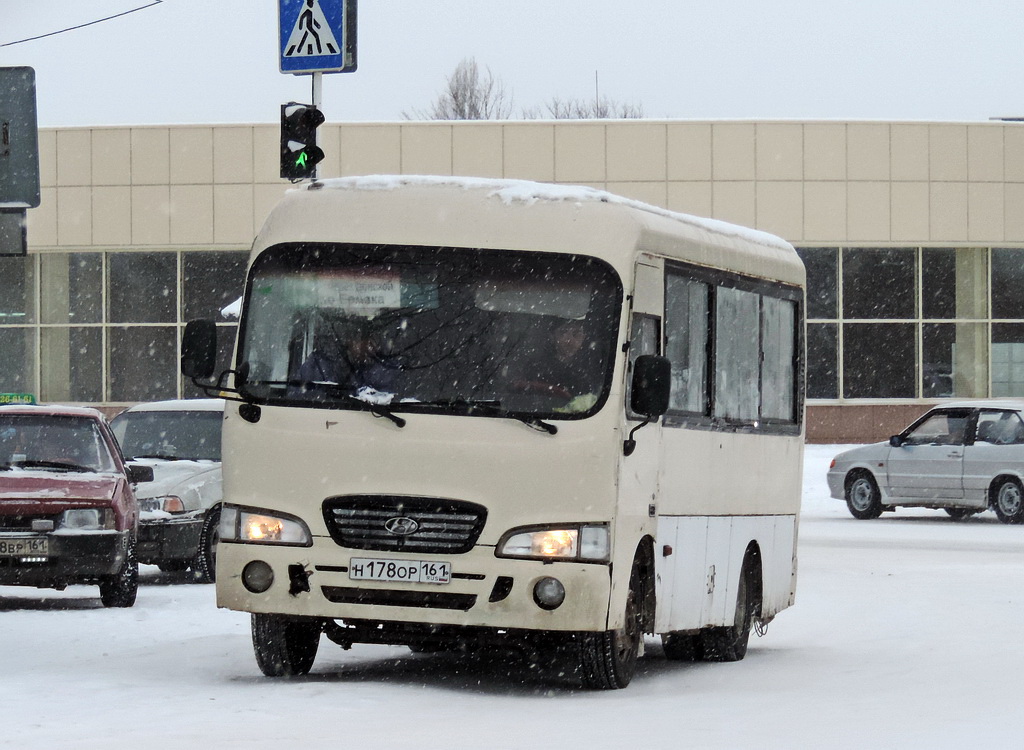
x=912, y=234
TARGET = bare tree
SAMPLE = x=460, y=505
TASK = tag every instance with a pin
x=586, y=109
x=469, y=95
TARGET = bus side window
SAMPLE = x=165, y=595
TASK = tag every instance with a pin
x=686, y=342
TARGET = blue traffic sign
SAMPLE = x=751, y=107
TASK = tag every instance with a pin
x=317, y=36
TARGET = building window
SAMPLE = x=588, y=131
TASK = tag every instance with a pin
x=143, y=363
x=1007, y=283
x=878, y=360
x=142, y=287
x=210, y=282
x=17, y=282
x=95, y=327
x=878, y=284
x=909, y=323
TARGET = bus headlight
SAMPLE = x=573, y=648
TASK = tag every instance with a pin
x=583, y=543
x=254, y=526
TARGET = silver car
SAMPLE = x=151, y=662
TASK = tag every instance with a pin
x=962, y=457
x=180, y=508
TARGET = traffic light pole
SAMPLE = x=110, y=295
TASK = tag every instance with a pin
x=318, y=95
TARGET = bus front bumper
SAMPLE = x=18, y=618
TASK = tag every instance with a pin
x=484, y=591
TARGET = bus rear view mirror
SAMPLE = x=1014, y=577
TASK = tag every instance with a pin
x=651, y=385
x=199, y=349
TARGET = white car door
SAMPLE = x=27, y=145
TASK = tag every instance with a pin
x=928, y=464
x=998, y=448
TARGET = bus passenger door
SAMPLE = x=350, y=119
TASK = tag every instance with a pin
x=639, y=472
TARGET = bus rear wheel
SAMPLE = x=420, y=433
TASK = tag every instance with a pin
x=682, y=646
x=285, y=646
x=730, y=643
x=609, y=659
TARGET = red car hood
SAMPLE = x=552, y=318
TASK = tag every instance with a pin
x=22, y=491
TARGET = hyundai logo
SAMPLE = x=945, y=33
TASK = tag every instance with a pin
x=401, y=526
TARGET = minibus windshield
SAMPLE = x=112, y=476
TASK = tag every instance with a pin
x=412, y=328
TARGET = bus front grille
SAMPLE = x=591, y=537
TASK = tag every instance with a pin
x=395, y=523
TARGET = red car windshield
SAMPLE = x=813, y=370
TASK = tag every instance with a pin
x=52, y=442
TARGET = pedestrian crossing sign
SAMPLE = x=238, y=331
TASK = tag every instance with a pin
x=317, y=36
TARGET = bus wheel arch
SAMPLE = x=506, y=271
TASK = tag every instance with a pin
x=204, y=566
x=608, y=659
x=729, y=643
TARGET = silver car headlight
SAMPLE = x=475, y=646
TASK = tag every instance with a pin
x=582, y=543
x=256, y=526
x=166, y=503
x=87, y=519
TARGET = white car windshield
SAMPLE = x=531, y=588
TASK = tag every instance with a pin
x=170, y=435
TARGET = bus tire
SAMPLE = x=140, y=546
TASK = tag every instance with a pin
x=1007, y=497
x=285, y=646
x=608, y=659
x=204, y=567
x=863, y=498
x=730, y=643
x=683, y=646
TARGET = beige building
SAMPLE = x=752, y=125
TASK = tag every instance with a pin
x=913, y=235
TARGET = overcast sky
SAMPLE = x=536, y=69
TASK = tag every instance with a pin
x=213, y=61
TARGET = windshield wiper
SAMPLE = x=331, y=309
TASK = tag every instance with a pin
x=161, y=456
x=334, y=390
x=492, y=408
x=58, y=465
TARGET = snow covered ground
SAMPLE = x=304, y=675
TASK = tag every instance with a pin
x=906, y=634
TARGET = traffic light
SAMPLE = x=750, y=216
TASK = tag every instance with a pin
x=299, y=152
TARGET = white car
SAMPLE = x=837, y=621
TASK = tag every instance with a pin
x=180, y=508
x=962, y=457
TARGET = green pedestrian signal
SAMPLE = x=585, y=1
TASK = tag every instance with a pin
x=299, y=152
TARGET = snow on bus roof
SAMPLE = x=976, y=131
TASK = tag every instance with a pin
x=528, y=192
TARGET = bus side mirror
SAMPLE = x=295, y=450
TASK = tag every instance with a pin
x=652, y=382
x=199, y=349
x=649, y=392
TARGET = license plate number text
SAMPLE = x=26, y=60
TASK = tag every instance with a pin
x=402, y=571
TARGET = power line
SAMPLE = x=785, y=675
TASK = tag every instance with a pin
x=82, y=25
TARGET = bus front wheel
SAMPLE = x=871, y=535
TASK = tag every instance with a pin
x=285, y=646
x=609, y=658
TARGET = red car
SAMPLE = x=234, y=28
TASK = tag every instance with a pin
x=67, y=511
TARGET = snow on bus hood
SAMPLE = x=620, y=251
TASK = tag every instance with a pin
x=42, y=486
x=172, y=477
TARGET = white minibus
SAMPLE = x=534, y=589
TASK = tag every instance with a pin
x=469, y=413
